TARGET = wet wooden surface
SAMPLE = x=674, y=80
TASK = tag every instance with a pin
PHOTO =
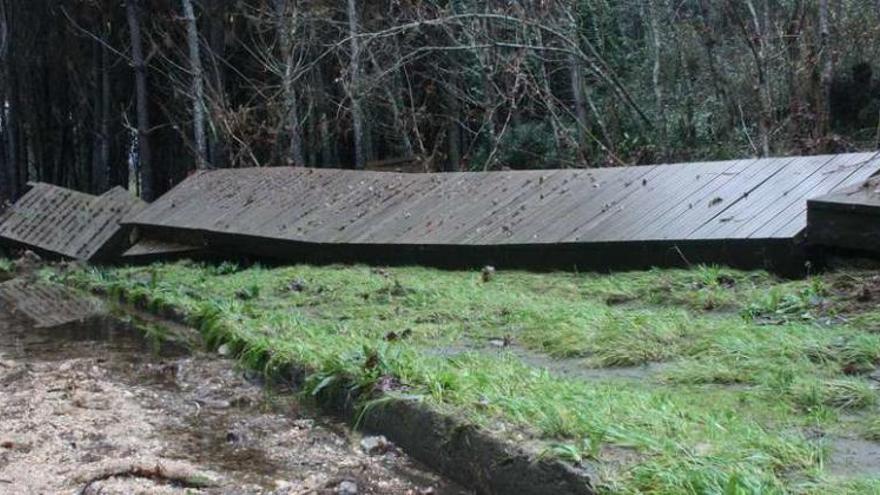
x=848, y=218
x=67, y=223
x=739, y=199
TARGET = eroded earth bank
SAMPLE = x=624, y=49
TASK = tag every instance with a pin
x=95, y=407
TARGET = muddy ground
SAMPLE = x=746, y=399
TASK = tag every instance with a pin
x=95, y=408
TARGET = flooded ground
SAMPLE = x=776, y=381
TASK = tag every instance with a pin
x=95, y=408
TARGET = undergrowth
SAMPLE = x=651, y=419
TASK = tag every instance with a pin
x=747, y=367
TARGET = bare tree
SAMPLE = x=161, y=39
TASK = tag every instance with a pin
x=145, y=165
x=354, y=89
x=198, y=84
x=287, y=22
x=824, y=102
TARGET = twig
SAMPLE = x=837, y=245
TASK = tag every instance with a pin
x=94, y=36
x=172, y=474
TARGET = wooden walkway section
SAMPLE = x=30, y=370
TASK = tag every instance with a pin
x=848, y=218
x=733, y=212
x=59, y=222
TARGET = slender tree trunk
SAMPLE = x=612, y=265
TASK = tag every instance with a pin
x=759, y=51
x=655, y=72
x=7, y=165
x=217, y=86
x=328, y=154
x=355, y=86
x=558, y=141
x=198, y=85
x=101, y=158
x=286, y=28
x=392, y=94
x=453, y=131
x=824, y=103
x=580, y=107
x=145, y=165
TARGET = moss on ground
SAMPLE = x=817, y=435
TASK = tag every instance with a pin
x=749, y=375
x=6, y=268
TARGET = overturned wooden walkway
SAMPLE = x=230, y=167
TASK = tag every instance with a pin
x=60, y=222
x=742, y=212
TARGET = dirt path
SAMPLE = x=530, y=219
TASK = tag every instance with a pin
x=95, y=409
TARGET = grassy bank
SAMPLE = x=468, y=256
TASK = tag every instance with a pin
x=698, y=381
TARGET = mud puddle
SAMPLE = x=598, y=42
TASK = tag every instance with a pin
x=94, y=407
x=574, y=368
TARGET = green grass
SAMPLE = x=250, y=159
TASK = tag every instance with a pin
x=747, y=367
x=6, y=267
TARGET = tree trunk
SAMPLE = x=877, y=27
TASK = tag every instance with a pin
x=824, y=103
x=101, y=158
x=198, y=85
x=655, y=72
x=7, y=165
x=580, y=107
x=145, y=165
x=453, y=131
x=295, y=155
x=217, y=85
x=392, y=94
x=759, y=51
x=355, y=86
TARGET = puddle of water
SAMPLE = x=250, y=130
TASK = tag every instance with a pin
x=78, y=398
x=564, y=367
x=854, y=457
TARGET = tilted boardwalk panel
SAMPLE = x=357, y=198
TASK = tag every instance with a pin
x=67, y=223
x=681, y=204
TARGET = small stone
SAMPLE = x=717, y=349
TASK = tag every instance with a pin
x=304, y=424
x=375, y=445
x=347, y=488
x=224, y=350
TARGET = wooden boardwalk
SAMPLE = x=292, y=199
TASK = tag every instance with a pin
x=848, y=218
x=701, y=212
x=61, y=222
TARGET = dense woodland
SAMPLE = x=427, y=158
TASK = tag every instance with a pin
x=140, y=93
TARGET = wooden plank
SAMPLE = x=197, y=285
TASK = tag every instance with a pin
x=66, y=223
x=792, y=217
x=535, y=200
x=708, y=204
x=751, y=212
x=588, y=198
x=548, y=193
x=654, y=188
x=703, y=177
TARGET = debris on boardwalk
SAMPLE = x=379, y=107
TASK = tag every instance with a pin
x=59, y=222
x=747, y=213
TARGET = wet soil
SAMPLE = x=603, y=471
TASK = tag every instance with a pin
x=854, y=457
x=574, y=368
x=94, y=407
